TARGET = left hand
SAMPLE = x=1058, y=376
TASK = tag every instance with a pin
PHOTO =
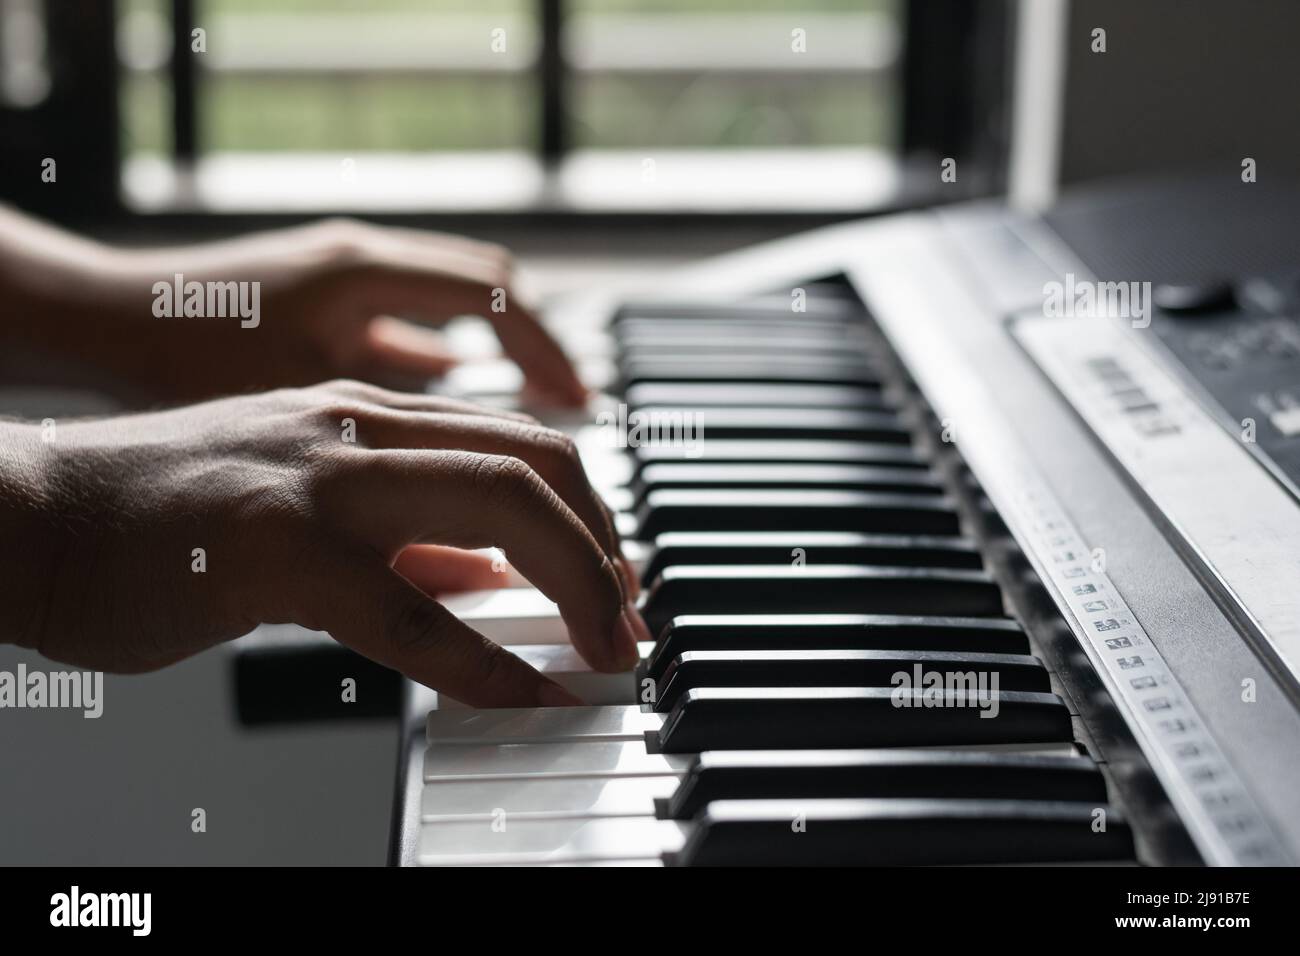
x=334, y=298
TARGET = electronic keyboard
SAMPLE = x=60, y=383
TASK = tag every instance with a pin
x=967, y=536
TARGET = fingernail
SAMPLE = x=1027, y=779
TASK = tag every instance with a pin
x=553, y=695
x=624, y=640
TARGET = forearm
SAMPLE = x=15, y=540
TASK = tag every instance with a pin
x=27, y=523
x=52, y=283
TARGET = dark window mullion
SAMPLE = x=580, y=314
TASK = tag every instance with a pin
x=184, y=70
x=552, y=82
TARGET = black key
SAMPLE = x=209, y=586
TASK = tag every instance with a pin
x=812, y=718
x=765, y=322
x=734, y=632
x=750, y=510
x=820, y=372
x=902, y=832
x=657, y=344
x=875, y=774
x=809, y=547
x=1187, y=297
x=828, y=589
x=828, y=477
x=824, y=668
x=834, y=424
x=718, y=450
x=740, y=394
x=818, y=309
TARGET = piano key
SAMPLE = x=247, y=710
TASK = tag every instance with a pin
x=758, y=325
x=722, y=632
x=593, y=758
x=768, y=718
x=510, y=615
x=730, y=450
x=837, y=668
x=690, y=475
x=851, y=372
x=540, y=798
x=714, y=509
x=830, y=588
x=563, y=664
x=781, y=396
x=962, y=774
x=656, y=345
x=821, y=305
x=520, y=725
x=534, y=841
x=673, y=548
x=766, y=422
x=902, y=832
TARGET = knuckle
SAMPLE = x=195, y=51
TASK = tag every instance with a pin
x=505, y=481
x=416, y=625
x=482, y=663
x=558, y=447
x=343, y=241
x=332, y=413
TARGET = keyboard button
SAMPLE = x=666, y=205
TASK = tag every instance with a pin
x=510, y=615
x=767, y=718
x=689, y=475
x=754, y=371
x=790, y=774
x=587, y=759
x=902, y=832
x=836, y=424
x=767, y=510
x=676, y=548
x=823, y=668
x=520, y=725
x=739, y=394
x=780, y=589
x=562, y=664
x=733, y=632
x=541, y=798
x=728, y=450
x=524, y=842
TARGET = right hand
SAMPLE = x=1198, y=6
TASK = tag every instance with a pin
x=299, y=525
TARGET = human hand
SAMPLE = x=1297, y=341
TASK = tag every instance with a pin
x=332, y=298
x=295, y=523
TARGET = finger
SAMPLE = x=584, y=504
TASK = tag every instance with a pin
x=433, y=294
x=435, y=569
x=419, y=402
x=552, y=454
x=407, y=349
x=398, y=497
x=442, y=243
x=377, y=613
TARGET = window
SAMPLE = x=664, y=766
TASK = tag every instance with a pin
x=822, y=108
x=690, y=104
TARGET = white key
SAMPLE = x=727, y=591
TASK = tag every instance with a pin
x=606, y=466
x=563, y=664
x=543, y=798
x=548, y=841
x=600, y=862
x=638, y=553
x=515, y=725
x=510, y=615
x=624, y=758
